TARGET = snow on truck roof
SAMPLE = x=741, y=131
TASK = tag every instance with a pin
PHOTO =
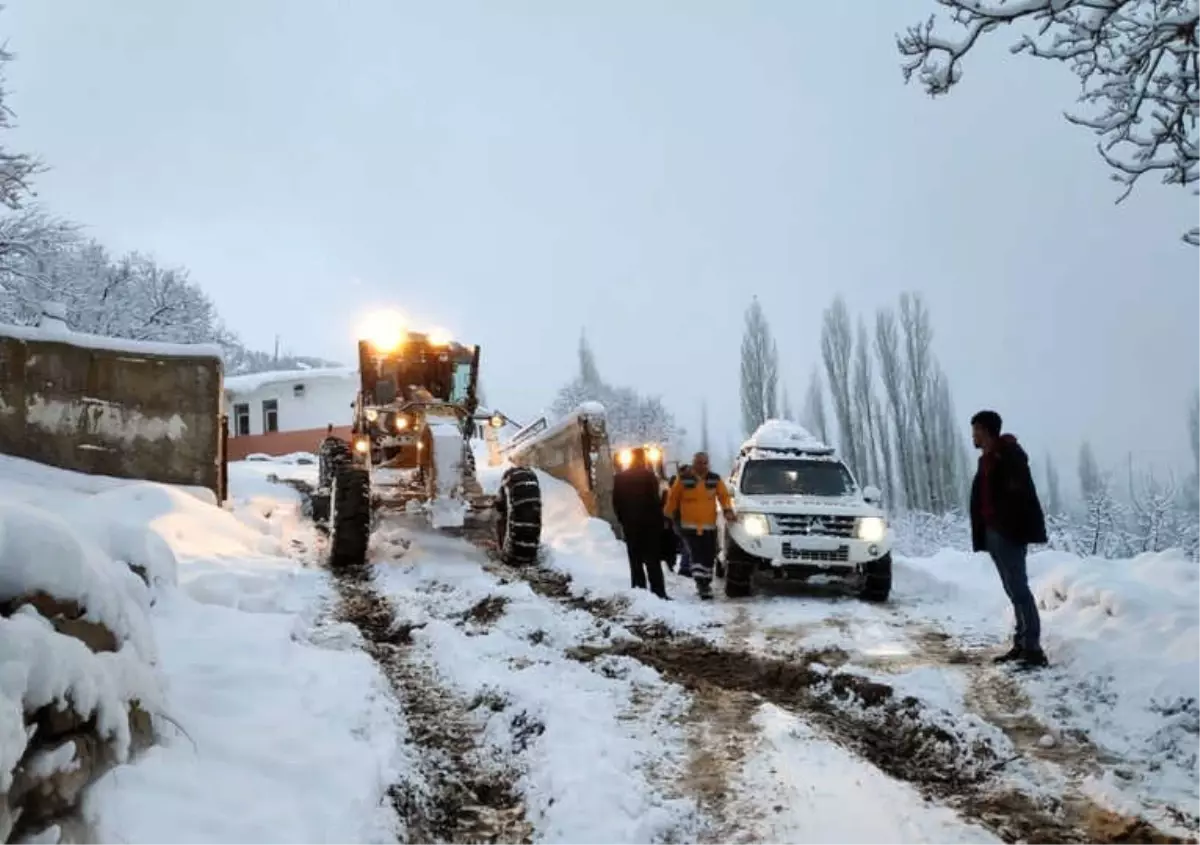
x=784, y=436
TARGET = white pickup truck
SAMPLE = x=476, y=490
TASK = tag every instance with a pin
x=800, y=514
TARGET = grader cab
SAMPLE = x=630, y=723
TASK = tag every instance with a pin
x=410, y=451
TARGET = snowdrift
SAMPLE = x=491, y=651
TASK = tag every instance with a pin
x=78, y=683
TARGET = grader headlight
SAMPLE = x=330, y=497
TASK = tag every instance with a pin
x=371, y=415
x=497, y=421
x=401, y=422
x=362, y=445
x=384, y=330
x=625, y=458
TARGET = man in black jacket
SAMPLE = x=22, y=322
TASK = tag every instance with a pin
x=1006, y=517
x=636, y=501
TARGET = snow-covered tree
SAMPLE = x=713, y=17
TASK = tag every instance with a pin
x=1136, y=61
x=837, y=344
x=759, y=371
x=1054, y=504
x=631, y=417
x=1154, y=511
x=917, y=331
x=785, y=406
x=892, y=376
x=813, y=416
x=863, y=389
x=1100, y=532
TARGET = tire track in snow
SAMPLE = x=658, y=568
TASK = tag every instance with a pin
x=456, y=796
x=898, y=734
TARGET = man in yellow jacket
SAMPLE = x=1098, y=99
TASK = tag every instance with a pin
x=692, y=503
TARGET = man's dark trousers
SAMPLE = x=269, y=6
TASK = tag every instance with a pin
x=643, y=548
x=1009, y=558
x=703, y=548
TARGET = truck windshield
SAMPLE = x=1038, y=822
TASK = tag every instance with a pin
x=462, y=383
x=796, y=478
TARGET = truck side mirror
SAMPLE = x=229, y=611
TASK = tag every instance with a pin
x=872, y=494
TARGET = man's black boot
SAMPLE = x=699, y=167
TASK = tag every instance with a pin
x=1009, y=656
x=704, y=588
x=1033, y=658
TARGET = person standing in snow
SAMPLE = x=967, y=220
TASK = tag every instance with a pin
x=636, y=502
x=693, y=500
x=1006, y=517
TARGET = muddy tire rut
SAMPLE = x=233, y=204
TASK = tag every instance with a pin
x=457, y=795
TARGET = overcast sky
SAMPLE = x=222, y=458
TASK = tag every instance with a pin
x=518, y=171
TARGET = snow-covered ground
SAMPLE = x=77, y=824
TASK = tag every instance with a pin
x=775, y=718
x=274, y=728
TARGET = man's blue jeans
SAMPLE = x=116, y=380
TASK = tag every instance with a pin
x=1009, y=558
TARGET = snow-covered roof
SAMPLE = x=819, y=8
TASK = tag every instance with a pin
x=253, y=381
x=60, y=334
x=785, y=436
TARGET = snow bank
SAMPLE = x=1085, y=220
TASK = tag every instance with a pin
x=276, y=728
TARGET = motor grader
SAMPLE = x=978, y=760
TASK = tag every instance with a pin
x=410, y=451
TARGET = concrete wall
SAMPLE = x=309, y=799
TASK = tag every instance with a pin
x=325, y=396
x=575, y=451
x=281, y=442
x=148, y=412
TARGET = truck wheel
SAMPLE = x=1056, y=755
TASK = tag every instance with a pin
x=739, y=579
x=521, y=518
x=349, y=518
x=319, y=502
x=877, y=579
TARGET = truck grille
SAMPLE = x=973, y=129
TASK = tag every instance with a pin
x=839, y=555
x=807, y=525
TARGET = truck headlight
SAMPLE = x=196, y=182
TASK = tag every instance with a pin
x=362, y=445
x=755, y=524
x=872, y=528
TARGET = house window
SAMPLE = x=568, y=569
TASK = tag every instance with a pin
x=270, y=416
x=241, y=419
x=298, y=391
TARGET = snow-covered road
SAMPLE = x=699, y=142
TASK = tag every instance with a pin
x=441, y=696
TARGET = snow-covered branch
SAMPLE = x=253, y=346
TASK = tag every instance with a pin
x=1136, y=61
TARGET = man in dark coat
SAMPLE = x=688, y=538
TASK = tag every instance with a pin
x=636, y=502
x=1006, y=517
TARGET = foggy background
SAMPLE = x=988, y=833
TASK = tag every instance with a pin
x=519, y=172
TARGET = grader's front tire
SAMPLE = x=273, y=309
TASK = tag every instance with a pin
x=349, y=518
x=521, y=516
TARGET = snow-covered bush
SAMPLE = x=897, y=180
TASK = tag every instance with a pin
x=78, y=682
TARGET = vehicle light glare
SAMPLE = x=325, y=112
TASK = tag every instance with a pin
x=372, y=415
x=653, y=454
x=625, y=458
x=872, y=529
x=440, y=337
x=401, y=423
x=755, y=524
x=362, y=445
x=384, y=330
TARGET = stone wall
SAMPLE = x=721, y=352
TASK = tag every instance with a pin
x=576, y=451
x=148, y=411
